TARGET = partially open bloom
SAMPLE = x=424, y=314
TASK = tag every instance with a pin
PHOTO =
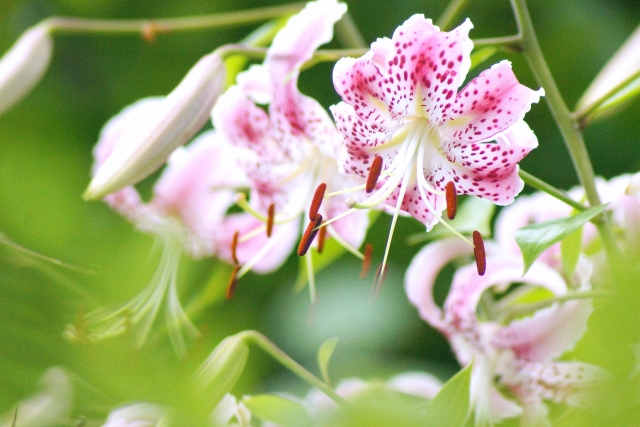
x=293, y=146
x=516, y=355
x=138, y=415
x=230, y=413
x=189, y=203
x=401, y=102
x=176, y=119
x=22, y=67
x=49, y=407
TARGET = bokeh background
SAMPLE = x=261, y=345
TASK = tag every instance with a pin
x=45, y=160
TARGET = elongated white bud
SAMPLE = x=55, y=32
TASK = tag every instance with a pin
x=179, y=117
x=22, y=67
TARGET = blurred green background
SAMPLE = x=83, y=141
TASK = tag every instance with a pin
x=45, y=160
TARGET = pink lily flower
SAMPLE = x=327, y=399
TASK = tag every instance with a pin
x=189, y=203
x=522, y=353
x=401, y=104
x=291, y=149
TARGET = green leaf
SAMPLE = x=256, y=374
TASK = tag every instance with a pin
x=450, y=407
x=278, y=410
x=324, y=355
x=482, y=55
x=535, y=239
x=570, y=249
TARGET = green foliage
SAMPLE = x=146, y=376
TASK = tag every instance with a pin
x=324, y=356
x=451, y=407
x=278, y=410
x=536, y=238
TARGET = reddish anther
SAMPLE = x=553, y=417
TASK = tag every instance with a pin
x=271, y=213
x=309, y=235
x=452, y=200
x=374, y=174
x=322, y=235
x=479, y=253
x=366, y=262
x=317, y=201
x=234, y=247
x=233, y=282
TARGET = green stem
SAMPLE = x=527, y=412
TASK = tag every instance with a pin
x=451, y=13
x=348, y=33
x=582, y=116
x=539, y=184
x=71, y=25
x=263, y=342
x=513, y=43
x=572, y=135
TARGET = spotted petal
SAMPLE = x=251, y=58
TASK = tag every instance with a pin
x=488, y=105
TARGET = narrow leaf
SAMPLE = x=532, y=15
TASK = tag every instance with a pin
x=278, y=410
x=450, y=407
x=535, y=239
x=482, y=55
x=570, y=248
x=324, y=355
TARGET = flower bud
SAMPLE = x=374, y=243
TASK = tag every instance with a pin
x=179, y=117
x=219, y=373
x=137, y=415
x=622, y=65
x=22, y=67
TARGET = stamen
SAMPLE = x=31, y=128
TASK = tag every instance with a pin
x=317, y=201
x=378, y=281
x=271, y=213
x=366, y=262
x=233, y=282
x=234, y=247
x=322, y=235
x=309, y=235
x=374, y=174
x=479, y=253
x=452, y=200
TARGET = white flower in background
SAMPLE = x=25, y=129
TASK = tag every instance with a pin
x=138, y=415
x=175, y=121
x=230, y=413
x=22, y=67
x=48, y=408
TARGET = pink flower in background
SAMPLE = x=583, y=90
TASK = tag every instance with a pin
x=401, y=102
x=522, y=353
x=291, y=148
x=189, y=203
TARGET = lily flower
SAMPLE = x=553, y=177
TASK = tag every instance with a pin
x=401, y=104
x=138, y=415
x=519, y=356
x=189, y=202
x=292, y=149
x=22, y=67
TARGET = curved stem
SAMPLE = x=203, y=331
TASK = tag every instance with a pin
x=539, y=184
x=349, y=34
x=284, y=359
x=509, y=42
x=572, y=136
x=582, y=116
x=71, y=25
x=451, y=13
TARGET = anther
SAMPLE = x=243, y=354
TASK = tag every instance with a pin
x=317, y=201
x=234, y=247
x=374, y=174
x=322, y=235
x=366, y=262
x=309, y=235
x=378, y=281
x=452, y=200
x=479, y=253
x=233, y=282
x=271, y=213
